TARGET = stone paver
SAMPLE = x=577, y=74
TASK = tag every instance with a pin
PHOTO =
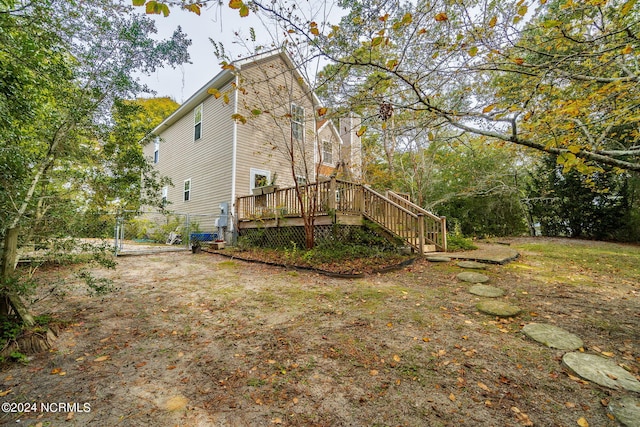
x=486, y=291
x=626, y=410
x=471, y=277
x=489, y=253
x=472, y=264
x=552, y=336
x=435, y=258
x=498, y=308
x=601, y=371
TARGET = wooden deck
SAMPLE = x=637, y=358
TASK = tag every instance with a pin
x=341, y=202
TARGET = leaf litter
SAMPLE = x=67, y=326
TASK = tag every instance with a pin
x=201, y=340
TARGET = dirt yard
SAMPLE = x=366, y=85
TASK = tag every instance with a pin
x=202, y=340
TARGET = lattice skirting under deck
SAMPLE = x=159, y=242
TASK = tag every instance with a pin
x=285, y=237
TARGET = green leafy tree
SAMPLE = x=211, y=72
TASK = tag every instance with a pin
x=600, y=205
x=65, y=65
x=563, y=82
x=120, y=177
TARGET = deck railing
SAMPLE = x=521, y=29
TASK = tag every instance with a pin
x=329, y=196
x=397, y=215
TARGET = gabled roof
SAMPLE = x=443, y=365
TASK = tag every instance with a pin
x=224, y=77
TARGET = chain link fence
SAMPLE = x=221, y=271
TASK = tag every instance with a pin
x=152, y=231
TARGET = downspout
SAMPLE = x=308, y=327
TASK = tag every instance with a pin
x=234, y=157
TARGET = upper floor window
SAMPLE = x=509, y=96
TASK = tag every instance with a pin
x=297, y=122
x=327, y=152
x=197, y=119
x=187, y=190
x=156, y=150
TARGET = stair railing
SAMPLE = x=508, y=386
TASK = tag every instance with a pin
x=435, y=227
x=394, y=218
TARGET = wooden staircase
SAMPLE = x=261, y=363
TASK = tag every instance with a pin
x=419, y=228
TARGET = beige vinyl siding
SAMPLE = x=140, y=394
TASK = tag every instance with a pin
x=207, y=161
x=270, y=87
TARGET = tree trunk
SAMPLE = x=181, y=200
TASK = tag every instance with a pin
x=8, y=299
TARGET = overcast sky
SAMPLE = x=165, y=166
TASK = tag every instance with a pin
x=221, y=24
x=217, y=23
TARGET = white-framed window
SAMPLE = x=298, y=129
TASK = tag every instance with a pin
x=301, y=180
x=297, y=122
x=259, y=178
x=156, y=150
x=165, y=195
x=197, y=120
x=327, y=152
x=187, y=190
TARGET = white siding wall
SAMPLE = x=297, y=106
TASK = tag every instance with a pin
x=207, y=161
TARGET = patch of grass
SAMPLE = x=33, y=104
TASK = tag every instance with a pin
x=298, y=296
x=366, y=293
x=227, y=264
x=19, y=357
x=457, y=243
x=10, y=328
x=581, y=261
x=256, y=382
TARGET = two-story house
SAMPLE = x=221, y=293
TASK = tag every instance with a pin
x=257, y=122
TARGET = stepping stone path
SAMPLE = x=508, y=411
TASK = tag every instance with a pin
x=486, y=291
x=552, y=336
x=472, y=265
x=626, y=411
x=498, y=308
x=471, y=277
x=597, y=369
x=601, y=371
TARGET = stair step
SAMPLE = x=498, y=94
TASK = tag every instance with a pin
x=429, y=249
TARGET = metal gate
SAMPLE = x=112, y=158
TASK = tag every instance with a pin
x=154, y=231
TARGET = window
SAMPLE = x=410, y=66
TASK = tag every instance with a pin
x=327, y=152
x=165, y=195
x=259, y=178
x=301, y=180
x=297, y=122
x=197, y=118
x=187, y=190
x=156, y=150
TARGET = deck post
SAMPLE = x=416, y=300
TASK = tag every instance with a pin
x=443, y=222
x=421, y=232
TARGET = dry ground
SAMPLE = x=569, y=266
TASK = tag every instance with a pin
x=201, y=340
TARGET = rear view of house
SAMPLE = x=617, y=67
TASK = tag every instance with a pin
x=255, y=123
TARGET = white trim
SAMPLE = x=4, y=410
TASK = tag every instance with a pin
x=184, y=191
x=253, y=172
x=324, y=159
x=156, y=150
x=165, y=194
x=195, y=123
x=301, y=123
